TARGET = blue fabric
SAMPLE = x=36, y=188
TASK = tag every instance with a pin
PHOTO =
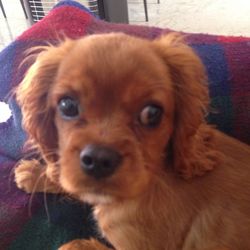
x=227, y=61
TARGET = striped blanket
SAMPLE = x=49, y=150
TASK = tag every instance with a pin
x=45, y=222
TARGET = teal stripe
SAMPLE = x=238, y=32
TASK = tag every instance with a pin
x=68, y=221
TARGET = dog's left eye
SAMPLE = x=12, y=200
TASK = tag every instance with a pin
x=68, y=107
x=151, y=115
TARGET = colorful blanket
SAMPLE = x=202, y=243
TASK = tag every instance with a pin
x=45, y=222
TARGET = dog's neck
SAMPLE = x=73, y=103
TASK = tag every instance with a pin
x=141, y=222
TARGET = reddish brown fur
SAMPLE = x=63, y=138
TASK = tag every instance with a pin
x=145, y=204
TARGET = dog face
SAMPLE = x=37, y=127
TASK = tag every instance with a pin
x=112, y=110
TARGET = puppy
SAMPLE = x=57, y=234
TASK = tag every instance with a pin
x=119, y=122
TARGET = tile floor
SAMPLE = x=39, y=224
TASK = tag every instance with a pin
x=227, y=17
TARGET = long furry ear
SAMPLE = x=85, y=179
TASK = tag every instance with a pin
x=192, y=140
x=32, y=96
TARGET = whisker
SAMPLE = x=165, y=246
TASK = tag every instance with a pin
x=34, y=191
x=45, y=199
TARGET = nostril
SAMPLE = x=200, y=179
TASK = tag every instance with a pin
x=106, y=163
x=87, y=160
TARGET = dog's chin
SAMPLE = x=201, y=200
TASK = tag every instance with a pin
x=92, y=196
x=96, y=198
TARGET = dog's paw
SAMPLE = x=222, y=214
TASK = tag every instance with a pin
x=83, y=245
x=30, y=176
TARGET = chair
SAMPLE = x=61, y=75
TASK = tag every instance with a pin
x=24, y=10
x=2, y=8
x=146, y=9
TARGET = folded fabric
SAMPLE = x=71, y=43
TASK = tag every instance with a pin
x=28, y=222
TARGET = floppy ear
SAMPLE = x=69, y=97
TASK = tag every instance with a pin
x=32, y=96
x=192, y=139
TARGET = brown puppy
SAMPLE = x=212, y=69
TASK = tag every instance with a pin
x=120, y=124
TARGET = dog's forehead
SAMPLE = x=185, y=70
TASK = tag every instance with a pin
x=114, y=54
x=111, y=67
x=111, y=56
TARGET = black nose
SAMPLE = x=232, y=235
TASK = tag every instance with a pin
x=99, y=161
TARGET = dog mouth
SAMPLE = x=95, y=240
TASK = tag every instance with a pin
x=95, y=197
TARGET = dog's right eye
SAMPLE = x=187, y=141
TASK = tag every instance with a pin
x=68, y=108
x=151, y=116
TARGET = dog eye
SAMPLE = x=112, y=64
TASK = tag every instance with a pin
x=150, y=116
x=68, y=107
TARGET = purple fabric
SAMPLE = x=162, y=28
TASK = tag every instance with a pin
x=227, y=60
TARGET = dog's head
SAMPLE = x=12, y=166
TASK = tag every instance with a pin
x=113, y=111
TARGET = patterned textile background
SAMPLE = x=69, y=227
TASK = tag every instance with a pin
x=45, y=222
